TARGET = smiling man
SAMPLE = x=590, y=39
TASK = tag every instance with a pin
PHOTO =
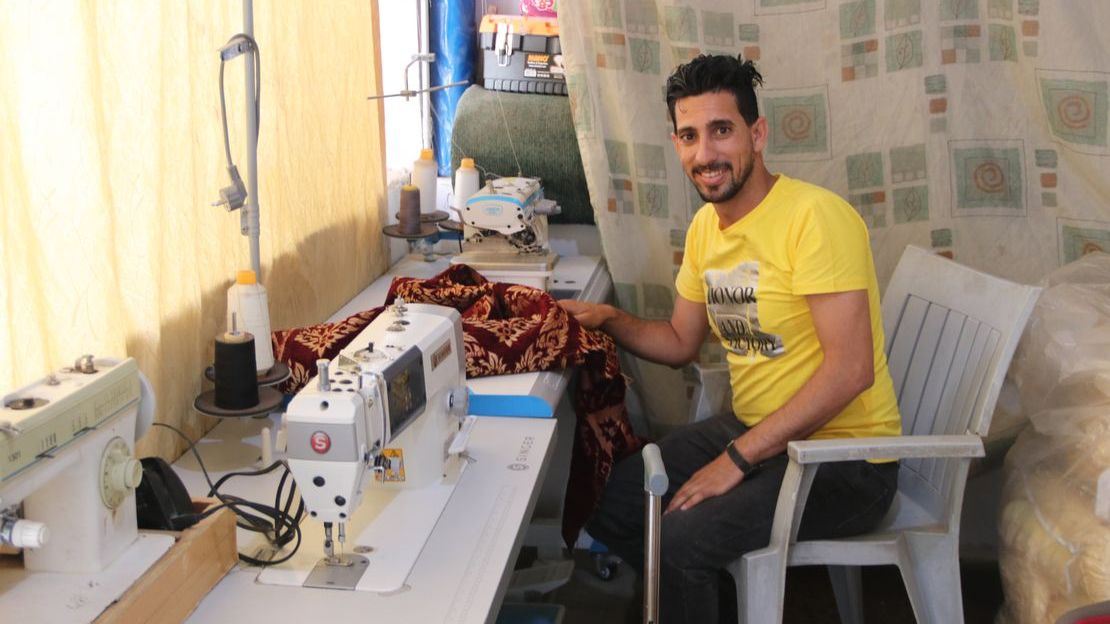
x=781, y=271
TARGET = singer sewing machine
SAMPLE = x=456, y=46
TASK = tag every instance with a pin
x=67, y=481
x=376, y=447
x=505, y=232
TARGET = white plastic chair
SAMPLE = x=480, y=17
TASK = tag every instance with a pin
x=712, y=393
x=950, y=332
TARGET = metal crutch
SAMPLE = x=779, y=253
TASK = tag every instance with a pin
x=655, y=485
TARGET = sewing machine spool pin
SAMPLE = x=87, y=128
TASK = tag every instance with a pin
x=322, y=378
x=424, y=239
x=85, y=365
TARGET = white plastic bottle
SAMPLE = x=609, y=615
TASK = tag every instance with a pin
x=424, y=171
x=466, y=183
x=247, y=300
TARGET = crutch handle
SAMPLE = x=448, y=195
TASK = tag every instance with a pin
x=655, y=475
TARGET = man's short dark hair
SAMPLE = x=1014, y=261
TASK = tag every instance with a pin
x=713, y=74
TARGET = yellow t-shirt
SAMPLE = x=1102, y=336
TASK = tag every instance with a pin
x=753, y=277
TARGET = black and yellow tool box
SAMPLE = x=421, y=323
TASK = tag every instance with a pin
x=521, y=54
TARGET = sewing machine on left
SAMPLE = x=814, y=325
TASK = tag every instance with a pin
x=67, y=493
x=505, y=232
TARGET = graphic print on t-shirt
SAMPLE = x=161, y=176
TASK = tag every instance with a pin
x=732, y=300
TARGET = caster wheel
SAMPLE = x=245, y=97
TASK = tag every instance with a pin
x=605, y=567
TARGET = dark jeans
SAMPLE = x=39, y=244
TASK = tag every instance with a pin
x=847, y=498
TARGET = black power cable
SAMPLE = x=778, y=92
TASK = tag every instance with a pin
x=276, y=523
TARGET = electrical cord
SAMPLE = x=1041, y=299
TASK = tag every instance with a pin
x=276, y=523
x=257, y=90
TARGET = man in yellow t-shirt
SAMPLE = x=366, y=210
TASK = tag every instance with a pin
x=781, y=272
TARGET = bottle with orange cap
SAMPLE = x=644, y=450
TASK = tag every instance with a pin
x=467, y=183
x=248, y=310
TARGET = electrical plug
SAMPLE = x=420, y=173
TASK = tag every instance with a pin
x=234, y=195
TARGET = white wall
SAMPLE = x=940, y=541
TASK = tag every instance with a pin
x=399, y=41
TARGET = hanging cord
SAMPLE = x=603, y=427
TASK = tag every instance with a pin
x=275, y=523
x=505, y=120
x=486, y=174
x=257, y=91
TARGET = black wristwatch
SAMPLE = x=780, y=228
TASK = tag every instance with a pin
x=734, y=454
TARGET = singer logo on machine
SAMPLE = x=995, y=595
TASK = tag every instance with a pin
x=441, y=354
x=320, y=442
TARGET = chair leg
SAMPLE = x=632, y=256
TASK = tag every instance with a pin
x=760, y=585
x=848, y=589
x=930, y=567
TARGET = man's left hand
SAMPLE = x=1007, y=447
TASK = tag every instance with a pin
x=714, y=479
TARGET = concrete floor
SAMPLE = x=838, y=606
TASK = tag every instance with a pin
x=809, y=598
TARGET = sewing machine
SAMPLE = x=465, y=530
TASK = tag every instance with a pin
x=505, y=232
x=466, y=567
x=67, y=481
x=376, y=447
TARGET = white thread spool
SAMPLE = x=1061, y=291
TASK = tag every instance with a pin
x=467, y=183
x=246, y=299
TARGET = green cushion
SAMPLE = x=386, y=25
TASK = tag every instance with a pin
x=542, y=133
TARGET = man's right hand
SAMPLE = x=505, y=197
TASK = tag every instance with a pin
x=589, y=315
x=671, y=343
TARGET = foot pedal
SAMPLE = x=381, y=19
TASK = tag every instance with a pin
x=541, y=578
x=530, y=613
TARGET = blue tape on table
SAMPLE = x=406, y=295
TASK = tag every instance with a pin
x=513, y=405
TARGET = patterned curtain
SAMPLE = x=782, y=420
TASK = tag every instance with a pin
x=976, y=128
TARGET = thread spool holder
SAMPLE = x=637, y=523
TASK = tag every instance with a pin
x=268, y=397
x=421, y=242
x=278, y=373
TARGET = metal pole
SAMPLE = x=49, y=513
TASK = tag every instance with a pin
x=251, y=223
x=655, y=486
x=651, y=565
x=423, y=28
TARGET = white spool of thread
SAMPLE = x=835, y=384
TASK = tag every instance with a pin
x=246, y=299
x=467, y=183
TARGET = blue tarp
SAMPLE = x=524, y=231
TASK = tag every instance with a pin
x=453, y=37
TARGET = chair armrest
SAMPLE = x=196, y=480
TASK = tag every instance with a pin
x=894, y=447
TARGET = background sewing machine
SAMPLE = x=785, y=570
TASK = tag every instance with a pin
x=505, y=232
x=67, y=481
x=375, y=446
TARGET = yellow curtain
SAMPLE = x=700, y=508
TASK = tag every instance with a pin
x=111, y=154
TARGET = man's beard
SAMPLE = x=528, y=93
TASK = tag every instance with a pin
x=727, y=190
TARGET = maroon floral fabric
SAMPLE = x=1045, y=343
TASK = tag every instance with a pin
x=300, y=347
x=507, y=329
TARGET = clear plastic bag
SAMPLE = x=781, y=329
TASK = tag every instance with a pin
x=1054, y=550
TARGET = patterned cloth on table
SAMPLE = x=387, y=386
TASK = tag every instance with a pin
x=507, y=329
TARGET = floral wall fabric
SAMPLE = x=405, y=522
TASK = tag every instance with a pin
x=976, y=128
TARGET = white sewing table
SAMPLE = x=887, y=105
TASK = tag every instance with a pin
x=463, y=572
